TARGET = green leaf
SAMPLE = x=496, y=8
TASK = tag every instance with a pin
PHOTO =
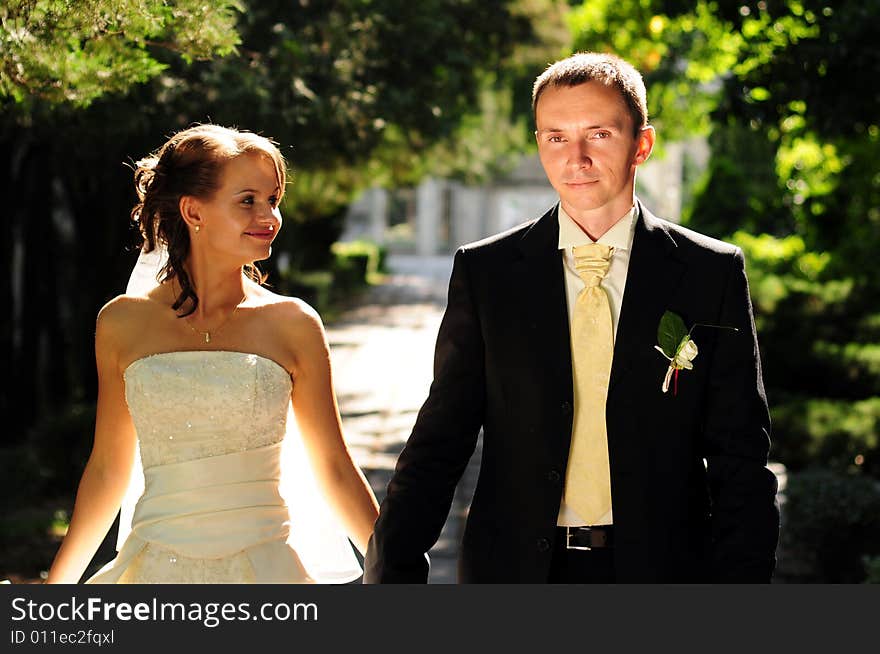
x=670, y=333
x=759, y=94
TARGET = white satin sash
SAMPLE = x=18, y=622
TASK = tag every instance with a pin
x=221, y=505
x=213, y=507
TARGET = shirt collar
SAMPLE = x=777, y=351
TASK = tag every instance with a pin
x=620, y=236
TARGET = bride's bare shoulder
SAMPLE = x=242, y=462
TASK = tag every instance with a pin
x=125, y=317
x=295, y=327
x=292, y=311
x=123, y=309
x=298, y=326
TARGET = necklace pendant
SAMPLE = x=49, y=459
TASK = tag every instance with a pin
x=207, y=337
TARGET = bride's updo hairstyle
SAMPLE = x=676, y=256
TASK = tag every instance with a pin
x=190, y=164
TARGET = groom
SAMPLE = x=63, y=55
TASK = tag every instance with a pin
x=590, y=472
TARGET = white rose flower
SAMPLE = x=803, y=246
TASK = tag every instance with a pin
x=687, y=353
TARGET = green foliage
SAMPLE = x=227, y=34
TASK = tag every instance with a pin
x=357, y=94
x=374, y=255
x=741, y=188
x=62, y=51
x=826, y=74
x=841, y=434
x=786, y=92
x=350, y=270
x=856, y=363
x=671, y=333
x=683, y=51
x=796, y=301
x=830, y=523
x=314, y=287
x=823, y=377
x=847, y=219
x=872, y=569
x=50, y=460
x=487, y=140
x=30, y=533
x=352, y=266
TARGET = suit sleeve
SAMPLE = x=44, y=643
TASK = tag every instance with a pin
x=745, y=515
x=420, y=493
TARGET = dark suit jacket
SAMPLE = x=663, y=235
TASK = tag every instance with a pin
x=693, y=500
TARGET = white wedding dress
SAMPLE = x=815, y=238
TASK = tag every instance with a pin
x=211, y=428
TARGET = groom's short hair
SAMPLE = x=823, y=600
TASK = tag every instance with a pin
x=608, y=69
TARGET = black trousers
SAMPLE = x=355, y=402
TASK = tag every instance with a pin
x=594, y=566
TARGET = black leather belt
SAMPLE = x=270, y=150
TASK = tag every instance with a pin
x=587, y=538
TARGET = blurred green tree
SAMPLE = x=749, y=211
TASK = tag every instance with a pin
x=786, y=92
x=67, y=52
x=358, y=93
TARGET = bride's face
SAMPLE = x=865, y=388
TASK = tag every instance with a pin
x=242, y=218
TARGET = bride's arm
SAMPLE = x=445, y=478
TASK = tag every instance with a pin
x=317, y=416
x=107, y=472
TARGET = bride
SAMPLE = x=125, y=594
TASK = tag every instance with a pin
x=207, y=378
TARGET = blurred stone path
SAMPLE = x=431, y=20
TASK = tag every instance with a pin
x=382, y=351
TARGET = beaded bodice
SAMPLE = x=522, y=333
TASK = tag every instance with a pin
x=194, y=404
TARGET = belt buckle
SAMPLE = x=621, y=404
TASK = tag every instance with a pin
x=568, y=535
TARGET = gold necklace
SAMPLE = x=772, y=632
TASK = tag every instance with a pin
x=207, y=334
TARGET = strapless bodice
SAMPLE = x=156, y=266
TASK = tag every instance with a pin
x=195, y=404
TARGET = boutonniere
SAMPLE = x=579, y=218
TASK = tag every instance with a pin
x=676, y=345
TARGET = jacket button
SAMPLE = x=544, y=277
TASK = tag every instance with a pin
x=543, y=545
x=566, y=408
x=553, y=476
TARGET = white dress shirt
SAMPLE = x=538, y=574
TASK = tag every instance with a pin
x=620, y=237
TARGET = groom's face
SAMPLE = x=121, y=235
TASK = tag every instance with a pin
x=589, y=148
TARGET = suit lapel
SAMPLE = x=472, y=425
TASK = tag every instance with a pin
x=540, y=277
x=654, y=272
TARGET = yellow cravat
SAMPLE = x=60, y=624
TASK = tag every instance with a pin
x=588, y=478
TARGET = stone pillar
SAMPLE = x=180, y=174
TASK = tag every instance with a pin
x=468, y=215
x=429, y=204
x=378, y=215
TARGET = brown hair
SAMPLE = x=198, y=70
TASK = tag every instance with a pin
x=583, y=67
x=190, y=163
